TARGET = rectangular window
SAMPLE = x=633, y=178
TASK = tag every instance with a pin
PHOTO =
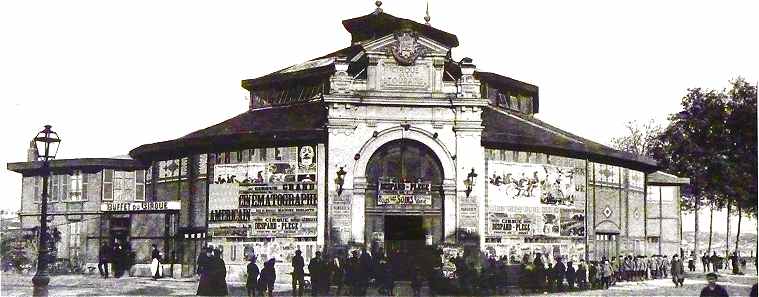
x=75, y=186
x=123, y=185
x=108, y=185
x=139, y=185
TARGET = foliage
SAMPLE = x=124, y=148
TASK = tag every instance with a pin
x=641, y=139
x=713, y=142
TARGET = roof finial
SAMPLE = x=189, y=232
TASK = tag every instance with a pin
x=379, y=9
x=427, y=16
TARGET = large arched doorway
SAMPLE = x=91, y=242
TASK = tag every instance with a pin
x=403, y=201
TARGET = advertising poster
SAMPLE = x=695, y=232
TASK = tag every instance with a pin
x=510, y=224
x=573, y=222
x=525, y=184
x=273, y=198
x=391, y=191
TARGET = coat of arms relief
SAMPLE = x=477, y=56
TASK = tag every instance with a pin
x=406, y=48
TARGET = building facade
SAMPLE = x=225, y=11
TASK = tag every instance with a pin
x=391, y=143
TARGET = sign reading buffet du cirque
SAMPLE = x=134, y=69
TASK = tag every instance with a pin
x=394, y=192
x=265, y=193
x=139, y=206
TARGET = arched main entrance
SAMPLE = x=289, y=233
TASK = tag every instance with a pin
x=403, y=201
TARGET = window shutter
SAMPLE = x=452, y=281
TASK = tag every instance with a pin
x=107, y=185
x=84, y=186
x=37, y=191
x=53, y=180
x=64, y=187
x=139, y=185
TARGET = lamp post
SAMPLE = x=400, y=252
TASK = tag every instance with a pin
x=50, y=141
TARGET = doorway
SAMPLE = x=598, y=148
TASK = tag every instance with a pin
x=607, y=245
x=404, y=233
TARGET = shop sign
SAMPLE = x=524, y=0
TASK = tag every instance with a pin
x=392, y=192
x=139, y=206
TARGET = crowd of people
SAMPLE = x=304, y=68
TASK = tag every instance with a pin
x=541, y=275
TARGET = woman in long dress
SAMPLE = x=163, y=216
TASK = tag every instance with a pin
x=155, y=265
x=205, y=270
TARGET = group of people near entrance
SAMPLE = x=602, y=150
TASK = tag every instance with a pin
x=350, y=275
x=540, y=275
x=120, y=256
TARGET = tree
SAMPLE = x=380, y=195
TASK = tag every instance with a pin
x=689, y=144
x=713, y=141
x=741, y=125
x=641, y=139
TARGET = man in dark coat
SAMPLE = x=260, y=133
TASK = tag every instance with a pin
x=714, y=259
x=705, y=262
x=571, y=275
x=712, y=289
x=540, y=273
x=103, y=258
x=251, y=282
x=268, y=276
x=316, y=270
x=559, y=273
x=298, y=273
x=580, y=276
x=678, y=271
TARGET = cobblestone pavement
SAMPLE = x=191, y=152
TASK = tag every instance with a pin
x=92, y=285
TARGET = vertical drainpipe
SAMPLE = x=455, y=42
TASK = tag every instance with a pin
x=661, y=220
x=645, y=214
x=627, y=211
x=587, y=230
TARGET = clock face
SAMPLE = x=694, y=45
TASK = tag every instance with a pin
x=306, y=155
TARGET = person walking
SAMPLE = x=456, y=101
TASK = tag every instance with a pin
x=103, y=258
x=714, y=259
x=677, y=271
x=416, y=281
x=267, y=278
x=316, y=270
x=705, y=262
x=251, y=281
x=735, y=261
x=298, y=273
x=712, y=289
x=155, y=263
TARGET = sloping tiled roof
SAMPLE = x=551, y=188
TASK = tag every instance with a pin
x=508, y=130
x=317, y=68
x=300, y=123
x=65, y=165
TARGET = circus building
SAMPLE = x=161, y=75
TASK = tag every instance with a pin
x=390, y=142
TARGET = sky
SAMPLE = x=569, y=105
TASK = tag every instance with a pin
x=113, y=75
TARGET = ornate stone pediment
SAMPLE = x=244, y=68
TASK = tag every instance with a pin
x=405, y=47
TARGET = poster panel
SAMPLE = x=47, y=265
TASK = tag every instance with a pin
x=572, y=222
x=272, y=195
x=510, y=224
x=542, y=220
x=521, y=184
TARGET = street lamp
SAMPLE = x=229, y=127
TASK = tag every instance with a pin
x=50, y=141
